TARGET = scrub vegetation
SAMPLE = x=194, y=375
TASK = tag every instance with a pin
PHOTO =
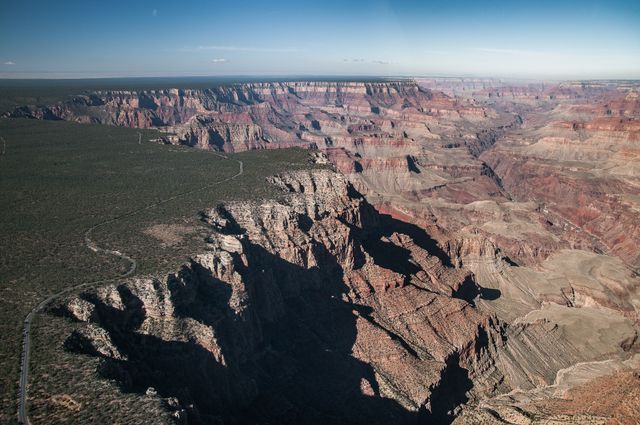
x=58, y=179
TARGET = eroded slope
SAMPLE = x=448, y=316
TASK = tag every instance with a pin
x=317, y=308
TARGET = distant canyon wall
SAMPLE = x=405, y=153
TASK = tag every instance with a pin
x=261, y=115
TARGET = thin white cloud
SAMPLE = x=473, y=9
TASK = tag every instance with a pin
x=9, y=63
x=219, y=60
x=154, y=12
x=514, y=52
x=359, y=60
x=243, y=49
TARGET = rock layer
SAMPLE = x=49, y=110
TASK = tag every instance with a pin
x=319, y=308
x=478, y=251
x=311, y=307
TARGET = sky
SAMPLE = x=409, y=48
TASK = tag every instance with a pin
x=537, y=39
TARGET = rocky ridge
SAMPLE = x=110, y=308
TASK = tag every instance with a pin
x=319, y=307
x=259, y=115
x=494, y=258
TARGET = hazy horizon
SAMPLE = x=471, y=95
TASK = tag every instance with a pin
x=27, y=79
x=496, y=39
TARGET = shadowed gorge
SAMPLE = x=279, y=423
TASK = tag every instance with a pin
x=443, y=251
x=282, y=336
x=320, y=212
x=300, y=361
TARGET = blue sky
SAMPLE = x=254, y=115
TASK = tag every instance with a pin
x=548, y=39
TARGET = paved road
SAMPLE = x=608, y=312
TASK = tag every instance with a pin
x=23, y=388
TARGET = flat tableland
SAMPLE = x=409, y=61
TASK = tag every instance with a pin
x=58, y=179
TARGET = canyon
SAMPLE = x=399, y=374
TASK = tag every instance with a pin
x=469, y=255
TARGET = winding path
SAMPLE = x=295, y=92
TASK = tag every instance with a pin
x=23, y=385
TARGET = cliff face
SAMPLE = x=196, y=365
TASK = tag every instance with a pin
x=580, y=162
x=318, y=308
x=246, y=116
x=499, y=258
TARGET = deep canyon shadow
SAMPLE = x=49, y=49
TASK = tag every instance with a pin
x=287, y=354
x=282, y=343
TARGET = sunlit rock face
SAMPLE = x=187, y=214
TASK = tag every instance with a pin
x=473, y=255
x=246, y=116
x=319, y=307
x=313, y=307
